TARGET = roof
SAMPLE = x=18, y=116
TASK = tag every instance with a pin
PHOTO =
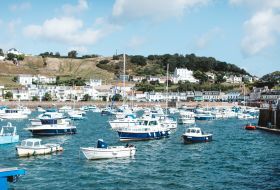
x=33, y=140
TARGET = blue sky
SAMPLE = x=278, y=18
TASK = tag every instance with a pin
x=242, y=32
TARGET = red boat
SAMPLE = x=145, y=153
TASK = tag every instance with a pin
x=249, y=126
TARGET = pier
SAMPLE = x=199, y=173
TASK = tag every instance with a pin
x=269, y=120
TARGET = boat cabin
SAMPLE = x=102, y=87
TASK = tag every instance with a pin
x=194, y=130
x=8, y=130
x=31, y=142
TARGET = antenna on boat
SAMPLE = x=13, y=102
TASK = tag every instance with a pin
x=123, y=77
x=166, y=106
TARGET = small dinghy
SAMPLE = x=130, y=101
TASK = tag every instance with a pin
x=33, y=146
x=249, y=126
x=194, y=135
x=103, y=151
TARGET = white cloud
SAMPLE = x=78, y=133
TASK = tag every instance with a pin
x=206, y=38
x=68, y=30
x=13, y=25
x=20, y=6
x=156, y=10
x=74, y=9
x=135, y=42
x=260, y=32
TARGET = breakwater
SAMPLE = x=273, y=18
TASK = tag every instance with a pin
x=269, y=119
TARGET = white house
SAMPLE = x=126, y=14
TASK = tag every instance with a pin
x=233, y=79
x=184, y=75
x=25, y=79
x=14, y=51
x=44, y=80
x=94, y=82
x=2, y=58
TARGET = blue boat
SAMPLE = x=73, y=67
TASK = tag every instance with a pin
x=8, y=134
x=195, y=135
x=144, y=130
x=9, y=175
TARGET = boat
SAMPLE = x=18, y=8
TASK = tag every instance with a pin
x=33, y=146
x=103, y=151
x=8, y=134
x=204, y=116
x=146, y=129
x=52, y=126
x=249, y=126
x=76, y=115
x=13, y=114
x=186, y=117
x=195, y=134
x=128, y=121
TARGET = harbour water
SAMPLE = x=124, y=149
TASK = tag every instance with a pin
x=235, y=159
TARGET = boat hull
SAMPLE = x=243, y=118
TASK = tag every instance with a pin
x=25, y=152
x=9, y=139
x=130, y=136
x=192, y=139
x=51, y=132
x=250, y=128
x=103, y=153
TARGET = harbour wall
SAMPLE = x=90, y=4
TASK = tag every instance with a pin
x=269, y=118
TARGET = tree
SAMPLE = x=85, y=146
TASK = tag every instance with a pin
x=220, y=78
x=35, y=98
x=117, y=97
x=57, y=54
x=86, y=97
x=47, y=97
x=201, y=76
x=1, y=52
x=72, y=54
x=9, y=95
x=138, y=60
x=105, y=61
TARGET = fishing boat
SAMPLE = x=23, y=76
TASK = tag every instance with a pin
x=146, y=129
x=249, y=126
x=195, y=134
x=103, y=151
x=33, y=146
x=8, y=134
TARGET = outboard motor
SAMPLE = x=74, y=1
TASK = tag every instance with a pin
x=101, y=144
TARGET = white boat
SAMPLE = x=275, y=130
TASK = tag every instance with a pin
x=8, y=134
x=13, y=114
x=65, y=109
x=76, y=115
x=128, y=121
x=186, y=117
x=103, y=151
x=40, y=109
x=32, y=147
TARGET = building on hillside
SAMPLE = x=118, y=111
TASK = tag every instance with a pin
x=211, y=77
x=94, y=82
x=138, y=78
x=198, y=96
x=255, y=94
x=183, y=74
x=233, y=96
x=211, y=96
x=25, y=79
x=14, y=51
x=233, y=79
x=271, y=96
x=2, y=58
x=44, y=80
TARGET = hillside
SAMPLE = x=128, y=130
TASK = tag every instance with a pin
x=66, y=68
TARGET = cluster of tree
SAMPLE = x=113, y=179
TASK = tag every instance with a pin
x=1, y=52
x=104, y=61
x=271, y=80
x=79, y=81
x=50, y=54
x=90, y=56
x=12, y=57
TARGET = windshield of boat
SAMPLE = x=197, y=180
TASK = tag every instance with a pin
x=29, y=143
x=153, y=123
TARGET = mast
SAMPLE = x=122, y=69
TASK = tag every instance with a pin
x=123, y=77
x=166, y=106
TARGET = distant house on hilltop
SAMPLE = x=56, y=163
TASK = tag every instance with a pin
x=182, y=74
x=14, y=51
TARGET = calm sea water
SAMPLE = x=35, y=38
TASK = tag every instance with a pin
x=235, y=159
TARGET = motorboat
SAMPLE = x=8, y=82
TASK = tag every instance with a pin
x=13, y=114
x=249, y=126
x=186, y=117
x=103, y=151
x=33, y=146
x=52, y=126
x=76, y=115
x=145, y=129
x=204, y=116
x=195, y=134
x=8, y=134
x=127, y=121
